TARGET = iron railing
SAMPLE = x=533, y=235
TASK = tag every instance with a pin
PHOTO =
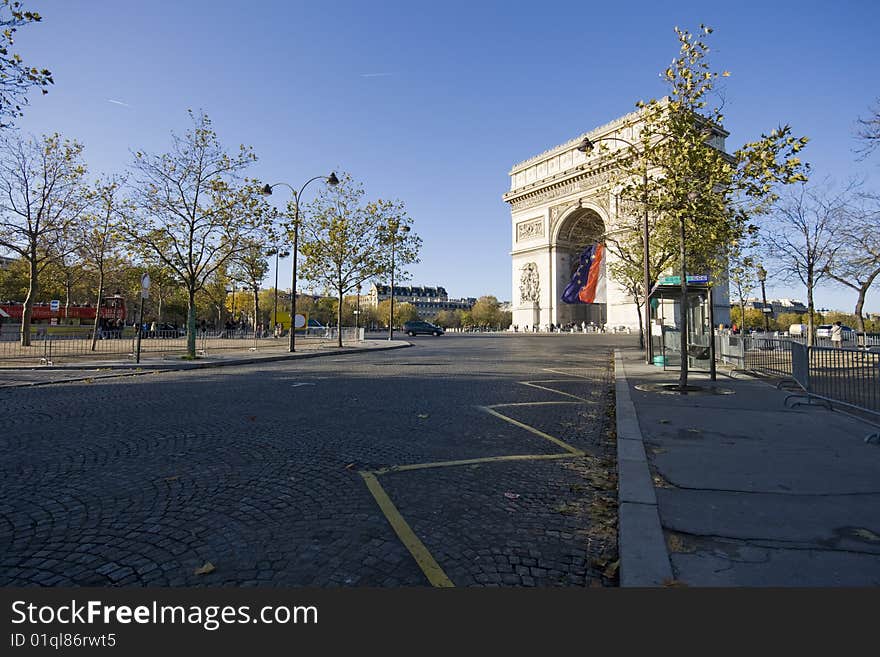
x=48, y=349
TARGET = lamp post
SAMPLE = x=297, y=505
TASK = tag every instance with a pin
x=586, y=146
x=393, y=227
x=278, y=253
x=762, y=277
x=297, y=195
x=357, y=314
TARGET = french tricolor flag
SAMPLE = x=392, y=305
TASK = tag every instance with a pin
x=588, y=282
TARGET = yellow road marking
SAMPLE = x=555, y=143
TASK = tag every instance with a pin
x=487, y=459
x=416, y=548
x=564, y=445
x=564, y=373
x=533, y=384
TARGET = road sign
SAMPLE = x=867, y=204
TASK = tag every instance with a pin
x=676, y=280
x=300, y=321
x=145, y=286
x=54, y=305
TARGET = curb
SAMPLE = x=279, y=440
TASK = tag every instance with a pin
x=141, y=369
x=644, y=559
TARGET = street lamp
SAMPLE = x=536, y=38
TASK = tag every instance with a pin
x=762, y=276
x=278, y=253
x=233, y=300
x=267, y=191
x=586, y=146
x=357, y=314
x=392, y=228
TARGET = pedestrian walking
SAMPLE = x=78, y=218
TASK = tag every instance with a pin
x=836, y=335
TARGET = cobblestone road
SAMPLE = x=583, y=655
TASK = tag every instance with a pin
x=258, y=470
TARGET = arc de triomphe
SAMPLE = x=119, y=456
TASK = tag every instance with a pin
x=561, y=202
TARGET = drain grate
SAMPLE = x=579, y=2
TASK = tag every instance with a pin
x=674, y=389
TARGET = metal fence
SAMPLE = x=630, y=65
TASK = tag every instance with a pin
x=848, y=375
x=844, y=375
x=48, y=349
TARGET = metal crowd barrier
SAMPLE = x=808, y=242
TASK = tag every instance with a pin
x=52, y=350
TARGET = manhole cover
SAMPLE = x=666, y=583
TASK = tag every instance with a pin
x=674, y=389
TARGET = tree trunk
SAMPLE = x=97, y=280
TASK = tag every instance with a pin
x=810, y=310
x=98, y=309
x=68, y=284
x=339, y=320
x=860, y=304
x=256, y=291
x=27, y=312
x=643, y=329
x=191, y=323
x=683, y=375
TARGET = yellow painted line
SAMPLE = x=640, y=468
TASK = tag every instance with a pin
x=564, y=373
x=487, y=459
x=416, y=548
x=556, y=441
x=533, y=384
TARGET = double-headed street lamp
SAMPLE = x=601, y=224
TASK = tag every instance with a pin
x=392, y=229
x=586, y=146
x=278, y=253
x=297, y=195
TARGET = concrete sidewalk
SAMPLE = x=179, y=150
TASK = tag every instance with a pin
x=32, y=375
x=735, y=489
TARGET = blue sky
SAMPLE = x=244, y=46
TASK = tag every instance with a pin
x=433, y=102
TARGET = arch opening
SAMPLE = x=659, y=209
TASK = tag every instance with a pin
x=580, y=229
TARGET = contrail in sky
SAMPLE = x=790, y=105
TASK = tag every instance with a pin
x=376, y=75
x=118, y=102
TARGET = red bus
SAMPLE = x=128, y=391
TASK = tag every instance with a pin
x=112, y=308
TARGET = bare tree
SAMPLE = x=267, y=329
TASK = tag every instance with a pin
x=194, y=210
x=869, y=131
x=99, y=241
x=41, y=197
x=347, y=242
x=250, y=266
x=803, y=239
x=856, y=264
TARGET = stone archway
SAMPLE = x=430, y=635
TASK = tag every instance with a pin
x=577, y=229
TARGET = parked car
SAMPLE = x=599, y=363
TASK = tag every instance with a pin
x=824, y=331
x=426, y=328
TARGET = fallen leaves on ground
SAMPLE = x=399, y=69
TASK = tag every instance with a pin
x=208, y=567
x=423, y=416
x=611, y=570
x=511, y=496
x=866, y=534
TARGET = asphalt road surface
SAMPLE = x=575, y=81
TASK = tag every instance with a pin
x=465, y=460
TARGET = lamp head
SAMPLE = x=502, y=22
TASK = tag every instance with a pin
x=586, y=146
x=332, y=179
x=762, y=274
x=266, y=190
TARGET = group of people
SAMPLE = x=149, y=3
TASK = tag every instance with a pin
x=570, y=327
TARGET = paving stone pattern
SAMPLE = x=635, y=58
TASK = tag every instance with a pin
x=139, y=481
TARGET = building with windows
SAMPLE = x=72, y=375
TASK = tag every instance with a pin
x=778, y=306
x=428, y=301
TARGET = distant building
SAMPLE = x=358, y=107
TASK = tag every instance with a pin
x=5, y=262
x=778, y=306
x=428, y=301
